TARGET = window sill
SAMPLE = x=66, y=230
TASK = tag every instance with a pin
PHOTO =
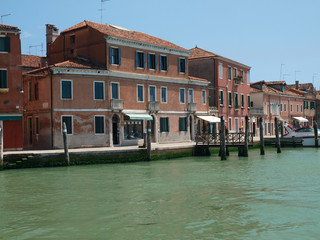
x=4, y=90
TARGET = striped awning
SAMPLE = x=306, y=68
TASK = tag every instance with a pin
x=211, y=119
x=139, y=116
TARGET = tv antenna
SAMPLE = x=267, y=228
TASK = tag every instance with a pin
x=36, y=47
x=5, y=15
x=101, y=9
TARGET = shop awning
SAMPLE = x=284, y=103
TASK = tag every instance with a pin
x=301, y=119
x=139, y=116
x=211, y=119
x=6, y=118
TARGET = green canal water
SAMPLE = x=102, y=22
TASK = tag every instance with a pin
x=276, y=196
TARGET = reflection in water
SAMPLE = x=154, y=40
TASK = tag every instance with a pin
x=269, y=197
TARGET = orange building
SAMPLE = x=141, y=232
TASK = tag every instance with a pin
x=229, y=88
x=11, y=87
x=105, y=82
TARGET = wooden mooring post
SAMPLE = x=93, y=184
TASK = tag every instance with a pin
x=278, y=145
x=148, y=140
x=261, y=137
x=315, y=127
x=222, y=140
x=281, y=128
x=65, y=143
x=1, y=144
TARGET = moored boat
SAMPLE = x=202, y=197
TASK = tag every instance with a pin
x=306, y=133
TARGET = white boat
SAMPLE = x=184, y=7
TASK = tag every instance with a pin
x=306, y=133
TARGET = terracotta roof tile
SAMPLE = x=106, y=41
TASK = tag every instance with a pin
x=4, y=27
x=111, y=30
x=198, y=79
x=32, y=61
x=79, y=63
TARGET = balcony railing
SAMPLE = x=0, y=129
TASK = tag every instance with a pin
x=154, y=106
x=192, y=107
x=117, y=104
x=256, y=111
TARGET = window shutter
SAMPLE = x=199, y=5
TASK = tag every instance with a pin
x=155, y=62
x=161, y=63
x=119, y=55
x=136, y=59
x=179, y=64
x=167, y=63
x=168, y=124
x=180, y=124
x=185, y=65
x=3, y=79
x=149, y=65
x=144, y=60
x=7, y=44
x=110, y=55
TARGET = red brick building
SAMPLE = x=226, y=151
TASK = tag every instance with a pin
x=105, y=82
x=229, y=88
x=11, y=87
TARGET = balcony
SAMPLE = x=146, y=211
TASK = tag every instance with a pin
x=237, y=80
x=192, y=107
x=256, y=111
x=117, y=105
x=154, y=106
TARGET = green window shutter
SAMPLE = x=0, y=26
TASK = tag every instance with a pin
x=168, y=128
x=7, y=44
x=180, y=124
x=3, y=79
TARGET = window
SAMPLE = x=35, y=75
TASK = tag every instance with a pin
x=133, y=129
x=99, y=124
x=182, y=65
x=152, y=93
x=182, y=124
x=164, y=124
x=152, y=61
x=236, y=100
x=249, y=101
x=98, y=90
x=37, y=125
x=230, y=99
x=115, y=55
x=285, y=107
x=230, y=124
x=235, y=72
x=72, y=39
x=306, y=105
x=68, y=121
x=36, y=91
x=140, y=93
x=3, y=78
x=163, y=63
x=66, y=89
x=164, y=94
x=281, y=109
x=140, y=59
x=242, y=101
x=229, y=73
x=312, y=105
x=4, y=44
x=301, y=108
x=291, y=108
x=203, y=96
x=191, y=95
x=221, y=97
x=220, y=70
x=242, y=74
x=297, y=107
x=182, y=95
x=115, y=90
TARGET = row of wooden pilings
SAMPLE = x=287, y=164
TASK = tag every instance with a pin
x=224, y=151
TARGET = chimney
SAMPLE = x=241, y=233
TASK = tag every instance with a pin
x=51, y=34
x=297, y=85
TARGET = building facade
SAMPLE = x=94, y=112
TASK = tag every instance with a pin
x=11, y=87
x=105, y=82
x=229, y=88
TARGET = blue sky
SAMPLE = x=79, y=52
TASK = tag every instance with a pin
x=261, y=34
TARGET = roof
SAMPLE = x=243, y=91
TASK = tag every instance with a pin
x=268, y=89
x=9, y=28
x=32, y=61
x=198, y=79
x=119, y=32
x=275, y=82
x=201, y=53
x=79, y=63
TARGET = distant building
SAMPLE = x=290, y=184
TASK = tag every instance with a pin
x=11, y=87
x=105, y=82
x=275, y=99
x=31, y=62
x=229, y=88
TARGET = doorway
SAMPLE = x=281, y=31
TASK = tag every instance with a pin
x=115, y=129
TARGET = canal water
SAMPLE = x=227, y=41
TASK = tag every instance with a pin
x=276, y=196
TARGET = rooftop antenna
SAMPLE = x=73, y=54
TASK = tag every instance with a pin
x=36, y=47
x=5, y=15
x=101, y=9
